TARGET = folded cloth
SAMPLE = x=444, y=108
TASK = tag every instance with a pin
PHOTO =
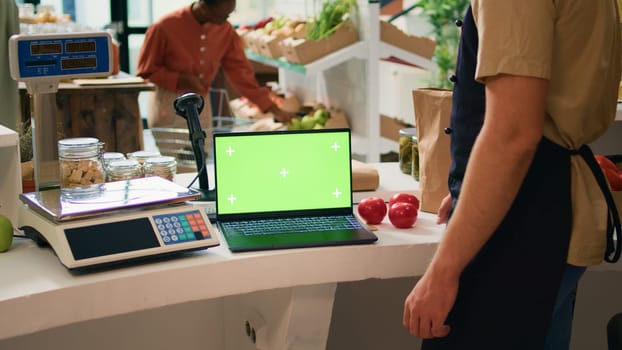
x=364, y=177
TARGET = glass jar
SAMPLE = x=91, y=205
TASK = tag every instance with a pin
x=142, y=156
x=81, y=170
x=124, y=169
x=109, y=157
x=26, y=11
x=405, y=155
x=164, y=167
x=415, y=157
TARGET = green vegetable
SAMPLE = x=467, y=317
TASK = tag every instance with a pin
x=332, y=14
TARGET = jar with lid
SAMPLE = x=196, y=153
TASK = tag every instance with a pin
x=81, y=170
x=415, y=157
x=163, y=166
x=124, y=169
x=109, y=157
x=142, y=156
x=405, y=155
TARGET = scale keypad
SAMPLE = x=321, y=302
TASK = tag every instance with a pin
x=181, y=227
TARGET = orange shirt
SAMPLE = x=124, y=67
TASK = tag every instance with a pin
x=177, y=43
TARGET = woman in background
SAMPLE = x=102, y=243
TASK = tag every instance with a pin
x=183, y=52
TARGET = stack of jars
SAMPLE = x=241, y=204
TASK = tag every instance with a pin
x=138, y=164
x=84, y=167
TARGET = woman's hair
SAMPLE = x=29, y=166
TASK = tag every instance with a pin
x=212, y=2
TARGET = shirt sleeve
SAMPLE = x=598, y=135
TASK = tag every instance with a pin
x=240, y=73
x=515, y=37
x=151, y=61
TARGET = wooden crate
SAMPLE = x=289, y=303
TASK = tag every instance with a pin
x=418, y=45
x=303, y=51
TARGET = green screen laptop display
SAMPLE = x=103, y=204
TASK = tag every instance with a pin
x=282, y=171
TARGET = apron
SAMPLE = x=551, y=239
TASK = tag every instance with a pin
x=161, y=114
x=507, y=293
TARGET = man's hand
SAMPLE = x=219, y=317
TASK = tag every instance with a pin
x=190, y=83
x=428, y=304
x=443, y=210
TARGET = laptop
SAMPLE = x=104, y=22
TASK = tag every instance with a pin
x=286, y=189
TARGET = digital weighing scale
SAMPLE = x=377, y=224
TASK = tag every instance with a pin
x=127, y=220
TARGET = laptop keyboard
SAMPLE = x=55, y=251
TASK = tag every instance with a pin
x=293, y=225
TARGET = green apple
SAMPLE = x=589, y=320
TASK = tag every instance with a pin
x=294, y=124
x=321, y=116
x=6, y=233
x=307, y=122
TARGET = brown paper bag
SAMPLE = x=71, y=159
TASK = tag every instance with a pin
x=432, y=110
x=365, y=176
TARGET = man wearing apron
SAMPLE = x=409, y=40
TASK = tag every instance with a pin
x=535, y=82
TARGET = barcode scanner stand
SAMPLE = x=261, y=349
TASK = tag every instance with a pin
x=189, y=106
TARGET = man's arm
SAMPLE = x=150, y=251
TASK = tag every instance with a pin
x=498, y=164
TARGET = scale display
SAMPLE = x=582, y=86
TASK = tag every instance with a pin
x=71, y=55
x=152, y=231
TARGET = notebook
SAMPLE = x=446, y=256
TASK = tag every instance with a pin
x=280, y=189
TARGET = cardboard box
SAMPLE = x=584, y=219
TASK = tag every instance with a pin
x=418, y=45
x=390, y=127
x=251, y=40
x=303, y=51
x=268, y=45
x=337, y=120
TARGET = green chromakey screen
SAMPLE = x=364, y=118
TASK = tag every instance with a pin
x=282, y=171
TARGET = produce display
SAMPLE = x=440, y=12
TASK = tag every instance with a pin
x=296, y=40
x=331, y=15
x=264, y=37
x=403, y=209
x=315, y=120
x=611, y=171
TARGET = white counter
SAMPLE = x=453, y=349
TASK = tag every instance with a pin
x=39, y=293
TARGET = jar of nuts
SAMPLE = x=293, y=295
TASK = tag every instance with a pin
x=163, y=166
x=81, y=170
x=124, y=169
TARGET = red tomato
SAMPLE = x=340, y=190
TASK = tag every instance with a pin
x=402, y=214
x=372, y=210
x=605, y=163
x=404, y=197
x=614, y=178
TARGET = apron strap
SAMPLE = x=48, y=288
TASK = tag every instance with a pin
x=614, y=230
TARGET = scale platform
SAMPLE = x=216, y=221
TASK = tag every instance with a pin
x=128, y=221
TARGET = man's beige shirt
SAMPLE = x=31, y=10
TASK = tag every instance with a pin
x=575, y=45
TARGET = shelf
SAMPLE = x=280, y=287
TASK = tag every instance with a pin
x=356, y=50
x=388, y=50
x=275, y=62
x=353, y=84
